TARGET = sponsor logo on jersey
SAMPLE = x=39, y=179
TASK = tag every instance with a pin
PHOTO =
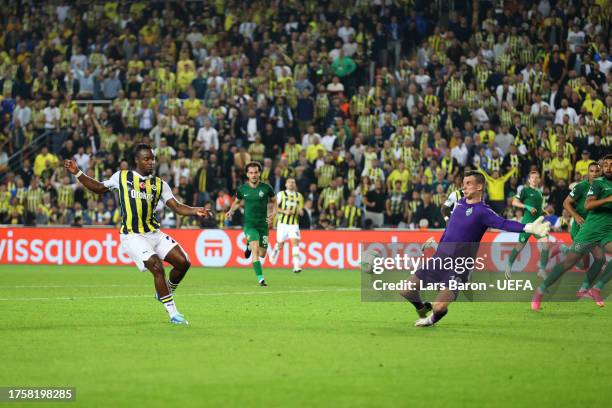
x=140, y=195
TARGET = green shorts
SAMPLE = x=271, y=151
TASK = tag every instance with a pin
x=259, y=234
x=524, y=237
x=588, y=237
x=575, y=228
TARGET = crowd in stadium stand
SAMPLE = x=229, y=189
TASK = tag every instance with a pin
x=375, y=107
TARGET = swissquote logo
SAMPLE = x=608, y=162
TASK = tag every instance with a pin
x=213, y=248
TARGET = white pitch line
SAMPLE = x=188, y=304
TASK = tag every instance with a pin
x=180, y=296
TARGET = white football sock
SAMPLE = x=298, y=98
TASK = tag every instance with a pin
x=168, y=302
x=295, y=251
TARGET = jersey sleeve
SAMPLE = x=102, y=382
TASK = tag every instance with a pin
x=166, y=192
x=595, y=190
x=271, y=193
x=239, y=193
x=279, y=197
x=520, y=194
x=577, y=191
x=491, y=220
x=160, y=207
x=113, y=182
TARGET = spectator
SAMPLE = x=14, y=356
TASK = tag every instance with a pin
x=561, y=167
x=43, y=160
x=429, y=212
x=209, y=137
x=496, y=188
x=374, y=202
x=505, y=92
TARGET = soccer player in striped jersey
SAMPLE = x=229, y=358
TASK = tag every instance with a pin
x=451, y=203
x=290, y=206
x=140, y=191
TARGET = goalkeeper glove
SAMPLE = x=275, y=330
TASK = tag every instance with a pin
x=538, y=227
x=430, y=243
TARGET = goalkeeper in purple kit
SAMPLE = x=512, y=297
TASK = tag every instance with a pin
x=466, y=227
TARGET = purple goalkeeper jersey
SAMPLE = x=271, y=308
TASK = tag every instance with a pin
x=469, y=222
x=466, y=226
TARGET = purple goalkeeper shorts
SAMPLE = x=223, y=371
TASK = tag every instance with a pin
x=430, y=276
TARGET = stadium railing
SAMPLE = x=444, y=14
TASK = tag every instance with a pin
x=28, y=152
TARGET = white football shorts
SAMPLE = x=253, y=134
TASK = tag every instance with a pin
x=141, y=247
x=287, y=231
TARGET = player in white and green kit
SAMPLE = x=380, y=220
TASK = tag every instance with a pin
x=596, y=231
x=259, y=211
x=531, y=201
x=574, y=204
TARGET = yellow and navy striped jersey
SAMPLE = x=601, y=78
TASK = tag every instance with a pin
x=494, y=164
x=506, y=117
x=21, y=193
x=431, y=101
x=331, y=195
x=522, y=92
x=34, y=198
x=455, y=88
x=325, y=174
x=138, y=198
x=65, y=194
x=396, y=201
x=292, y=152
x=367, y=124
x=292, y=201
x=351, y=179
x=5, y=198
x=515, y=161
x=352, y=216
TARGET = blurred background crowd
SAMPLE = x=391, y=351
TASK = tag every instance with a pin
x=376, y=107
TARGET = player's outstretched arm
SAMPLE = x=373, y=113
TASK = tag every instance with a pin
x=484, y=173
x=492, y=220
x=182, y=209
x=272, y=207
x=88, y=182
x=591, y=202
x=509, y=174
x=233, y=208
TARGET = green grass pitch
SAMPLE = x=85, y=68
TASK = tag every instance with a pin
x=306, y=340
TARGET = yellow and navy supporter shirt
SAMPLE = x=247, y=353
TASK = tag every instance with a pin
x=138, y=199
x=289, y=200
x=352, y=216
